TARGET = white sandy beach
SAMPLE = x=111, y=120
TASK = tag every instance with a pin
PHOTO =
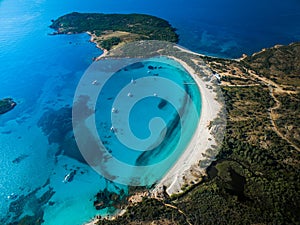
x=186, y=169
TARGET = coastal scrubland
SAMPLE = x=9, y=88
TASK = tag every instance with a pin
x=111, y=30
x=255, y=179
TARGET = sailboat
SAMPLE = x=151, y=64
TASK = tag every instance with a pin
x=112, y=129
x=114, y=110
x=132, y=81
x=69, y=177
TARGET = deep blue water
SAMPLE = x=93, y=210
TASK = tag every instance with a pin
x=41, y=72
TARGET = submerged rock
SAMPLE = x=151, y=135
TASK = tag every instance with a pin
x=57, y=125
x=106, y=199
x=162, y=104
x=20, y=158
x=31, y=203
x=6, y=105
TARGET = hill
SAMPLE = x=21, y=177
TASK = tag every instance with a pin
x=110, y=30
x=255, y=179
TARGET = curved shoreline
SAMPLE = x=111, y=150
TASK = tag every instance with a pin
x=187, y=170
x=93, y=40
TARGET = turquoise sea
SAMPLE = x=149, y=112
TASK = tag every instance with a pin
x=41, y=73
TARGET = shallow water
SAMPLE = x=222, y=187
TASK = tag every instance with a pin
x=141, y=114
x=41, y=73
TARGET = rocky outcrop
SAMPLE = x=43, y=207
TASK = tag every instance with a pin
x=6, y=105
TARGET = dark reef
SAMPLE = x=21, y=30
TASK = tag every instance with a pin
x=106, y=199
x=20, y=159
x=57, y=125
x=6, y=105
x=20, y=205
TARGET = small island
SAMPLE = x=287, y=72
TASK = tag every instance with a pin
x=112, y=30
x=6, y=105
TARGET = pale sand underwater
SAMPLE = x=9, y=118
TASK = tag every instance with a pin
x=187, y=167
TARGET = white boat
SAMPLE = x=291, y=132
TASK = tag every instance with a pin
x=69, y=177
x=112, y=129
x=129, y=94
x=114, y=110
x=132, y=81
x=12, y=196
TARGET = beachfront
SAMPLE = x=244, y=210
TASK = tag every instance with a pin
x=186, y=170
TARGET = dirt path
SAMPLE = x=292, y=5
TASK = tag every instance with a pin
x=278, y=89
x=178, y=210
x=273, y=116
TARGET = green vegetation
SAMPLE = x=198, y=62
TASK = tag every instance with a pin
x=149, y=210
x=280, y=64
x=109, y=43
x=255, y=179
x=142, y=27
x=288, y=118
x=254, y=182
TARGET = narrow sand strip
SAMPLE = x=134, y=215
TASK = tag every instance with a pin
x=186, y=169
